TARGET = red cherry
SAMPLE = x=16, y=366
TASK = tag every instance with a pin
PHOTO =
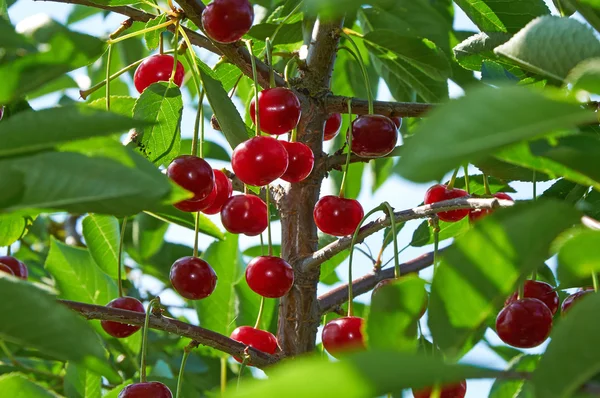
x=477, y=214
x=385, y=282
x=18, y=268
x=157, y=68
x=269, y=276
x=244, y=214
x=397, y=121
x=222, y=191
x=538, y=290
x=440, y=192
x=193, y=206
x=255, y=338
x=193, y=278
x=572, y=299
x=332, y=126
x=343, y=335
x=337, y=216
x=301, y=161
x=122, y=330
x=450, y=391
x=6, y=268
x=524, y=323
x=259, y=161
x=194, y=174
x=279, y=109
x=373, y=136
x=226, y=21
x=152, y=389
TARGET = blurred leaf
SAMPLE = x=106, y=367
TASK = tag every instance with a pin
x=102, y=237
x=423, y=235
x=159, y=264
x=119, y=104
x=566, y=190
x=249, y=305
x=478, y=188
x=381, y=170
x=16, y=385
x=516, y=388
x=586, y=76
x=353, y=181
x=472, y=52
x=81, y=383
x=211, y=150
x=500, y=16
x=12, y=227
x=148, y=234
x=329, y=266
x=152, y=37
x=259, y=250
x=172, y=215
x=62, y=83
x=577, y=259
x=11, y=40
x=79, y=13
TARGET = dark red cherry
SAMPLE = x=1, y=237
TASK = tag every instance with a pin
x=122, y=330
x=338, y=216
x=226, y=21
x=222, y=191
x=259, y=161
x=332, y=126
x=524, y=323
x=450, y=391
x=301, y=161
x=386, y=282
x=255, y=338
x=343, y=335
x=397, y=121
x=373, y=136
x=152, y=389
x=18, y=268
x=440, y=192
x=6, y=268
x=477, y=214
x=269, y=276
x=572, y=299
x=157, y=68
x=538, y=290
x=244, y=214
x=194, y=174
x=193, y=278
x=279, y=109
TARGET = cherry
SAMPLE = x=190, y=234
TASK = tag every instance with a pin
x=226, y=21
x=538, y=290
x=524, y=323
x=122, y=330
x=152, y=389
x=244, y=214
x=343, y=335
x=193, y=206
x=269, y=276
x=397, y=121
x=301, y=161
x=449, y=391
x=194, y=174
x=385, y=282
x=193, y=278
x=222, y=191
x=477, y=214
x=6, y=268
x=259, y=161
x=440, y=192
x=569, y=301
x=279, y=109
x=332, y=126
x=373, y=136
x=157, y=68
x=17, y=267
x=337, y=216
x=255, y=338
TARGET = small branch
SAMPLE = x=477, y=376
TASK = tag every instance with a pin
x=337, y=104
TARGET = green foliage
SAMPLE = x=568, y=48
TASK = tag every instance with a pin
x=576, y=259
x=102, y=236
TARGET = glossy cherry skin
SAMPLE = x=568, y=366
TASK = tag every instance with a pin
x=332, y=126
x=18, y=268
x=226, y=21
x=373, y=136
x=194, y=174
x=450, y=391
x=157, y=68
x=255, y=338
x=524, y=323
x=6, y=268
x=259, y=161
x=572, y=299
x=397, y=121
x=301, y=161
x=343, y=335
x=538, y=290
x=477, y=214
x=244, y=214
x=122, y=330
x=279, y=109
x=222, y=191
x=193, y=206
x=270, y=276
x=337, y=216
x=193, y=278
x=440, y=192
x=152, y=389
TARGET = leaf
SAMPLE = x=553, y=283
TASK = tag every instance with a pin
x=484, y=265
x=472, y=52
x=81, y=383
x=11, y=40
x=423, y=235
x=172, y=215
x=159, y=264
x=148, y=234
x=249, y=306
x=211, y=150
x=381, y=170
x=475, y=125
x=566, y=190
x=79, y=13
x=328, y=267
x=102, y=237
x=16, y=385
x=478, y=188
x=12, y=227
x=586, y=76
x=516, y=388
x=502, y=16
x=353, y=181
x=576, y=259
x=152, y=37
x=118, y=104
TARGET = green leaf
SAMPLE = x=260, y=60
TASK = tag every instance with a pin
x=472, y=52
x=172, y=215
x=16, y=385
x=81, y=383
x=566, y=190
x=11, y=40
x=353, y=181
x=249, y=306
x=484, y=265
x=328, y=267
x=477, y=187
x=79, y=13
x=148, y=234
x=502, y=16
x=211, y=150
x=102, y=237
x=576, y=259
x=380, y=171
x=12, y=227
x=119, y=104
x=586, y=76
x=476, y=125
x=423, y=235
x=159, y=264
x=516, y=388
x=152, y=37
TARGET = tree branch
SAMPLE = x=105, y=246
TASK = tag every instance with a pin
x=327, y=252
x=337, y=104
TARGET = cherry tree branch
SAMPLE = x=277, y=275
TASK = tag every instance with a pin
x=338, y=104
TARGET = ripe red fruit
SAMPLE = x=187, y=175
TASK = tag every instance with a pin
x=194, y=174
x=343, y=335
x=222, y=191
x=259, y=161
x=301, y=161
x=525, y=323
x=279, y=109
x=332, y=126
x=122, y=330
x=193, y=278
x=440, y=192
x=152, y=389
x=226, y=21
x=244, y=214
x=477, y=214
x=450, y=391
x=397, y=121
x=373, y=136
x=255, y=338
x=157, y=68
x=6, y=268
x=538, y=290
x=569, y=301
x=337, y=216
x=270, y=276
x=193, y=206
x=18, y=268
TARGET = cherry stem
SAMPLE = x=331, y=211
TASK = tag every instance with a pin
x=108, y=59
x=349, y=154
x=161, y=44
x=486, y=185
x=453, y=179
x=223, y=375
x=467, y=182
x=191, y=51
x=390, y=211
x=198, y=138
x=260, y=312
x=268, y=202
x=435, y=224
x=363, y=69
x=294, y=135
x=521, y=291
x=196, y=233
x=153, y=302
x=242, y=367
x=269, y=49
x=142, y=31
x=186, y=353
x=120, y=259
x=595, y=281
x=399, y=252
x=8, y=250
x=171, y=6
x=255, y=78
x=172, y=79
